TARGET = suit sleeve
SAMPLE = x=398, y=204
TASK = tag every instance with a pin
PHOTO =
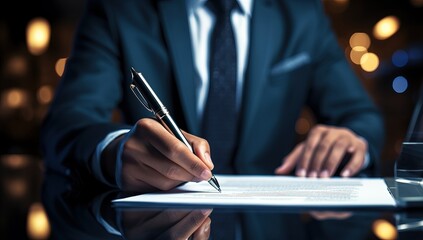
x=337, y=96
x=90, y=89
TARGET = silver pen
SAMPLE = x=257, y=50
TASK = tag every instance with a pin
x=152, y=103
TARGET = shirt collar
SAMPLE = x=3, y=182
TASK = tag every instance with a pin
x=246, y=6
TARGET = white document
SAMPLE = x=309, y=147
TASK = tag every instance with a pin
x=272, y=191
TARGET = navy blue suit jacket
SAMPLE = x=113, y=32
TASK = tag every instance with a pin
x=294, y=61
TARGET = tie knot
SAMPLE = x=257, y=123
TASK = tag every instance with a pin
x=222, y=6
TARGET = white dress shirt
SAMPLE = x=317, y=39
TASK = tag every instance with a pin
x=201, y=22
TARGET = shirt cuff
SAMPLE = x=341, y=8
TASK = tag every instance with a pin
x=96, y=164
x=118, y=172
x=97, y=213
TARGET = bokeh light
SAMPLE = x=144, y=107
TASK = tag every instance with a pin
x=17, y=66
x=302, y=126
x=400, y=84
x=38, y=226
x=15, y=187
x=360, y=39
x=384, y=230
x=356, y=54
x=14, y=98
x=386, y=27
x=60, y=66
x=38, y=36
x=400, y=58
x=15, y=161
x=45, y=94
x=369, y=62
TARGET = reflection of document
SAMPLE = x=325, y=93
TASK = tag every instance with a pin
x=272, y=191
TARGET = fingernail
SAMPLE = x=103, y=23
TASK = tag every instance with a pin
x=313, y=174
x=208, y=159
x=301, y=173
x=206, y=212
x=324, y=174
x=206, y=175
x=346, y=173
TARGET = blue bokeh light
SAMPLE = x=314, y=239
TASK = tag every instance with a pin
x=400, y=84
x=400, y=58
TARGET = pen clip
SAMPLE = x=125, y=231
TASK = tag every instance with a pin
x=140, y=97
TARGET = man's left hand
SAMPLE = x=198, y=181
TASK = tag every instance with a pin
x=322, y=152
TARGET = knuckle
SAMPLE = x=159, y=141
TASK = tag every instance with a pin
x=195, y=167
x=144, y=123
x=320, y=128
x=323, y=147
x=311, y=145
x=203, y=142
x=176, y=150
x=315, y=130
x=341, y=144
x=172, y=172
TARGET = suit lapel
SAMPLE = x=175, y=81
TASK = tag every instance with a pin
x=176, y=29
x=258, y=65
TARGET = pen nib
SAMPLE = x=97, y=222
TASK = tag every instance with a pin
x=213, y=181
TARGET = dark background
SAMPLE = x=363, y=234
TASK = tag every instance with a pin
x=27, y=82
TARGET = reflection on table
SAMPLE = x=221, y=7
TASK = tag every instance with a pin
x=79, y=210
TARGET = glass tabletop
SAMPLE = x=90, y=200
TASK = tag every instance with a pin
x=83, y=210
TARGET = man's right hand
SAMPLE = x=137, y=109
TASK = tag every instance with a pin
x=154, y=159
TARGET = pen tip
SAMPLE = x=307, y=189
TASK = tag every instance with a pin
x=213, y=181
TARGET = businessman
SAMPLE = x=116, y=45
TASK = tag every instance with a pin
x=235, y=75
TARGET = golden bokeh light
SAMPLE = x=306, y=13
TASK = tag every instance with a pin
x=356, y=53
x=45, y=94
x=15, y=161
x=14, y=98
x=60, y=66
x=15, y=187
x=360, y=39
x=38, y=226
x=386, y=27
x=38, y=36
x=17, y=66
x=384, y=229
x=302, y=126
x=369, y=62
